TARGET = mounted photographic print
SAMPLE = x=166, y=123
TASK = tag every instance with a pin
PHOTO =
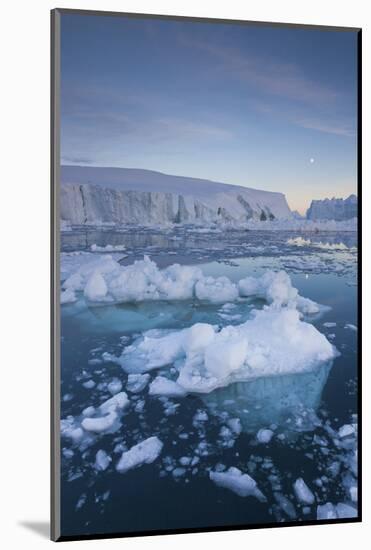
x=205, y=296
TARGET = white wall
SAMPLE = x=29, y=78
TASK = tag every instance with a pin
x=24, y=238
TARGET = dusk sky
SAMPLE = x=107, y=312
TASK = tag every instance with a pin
x=263, y=107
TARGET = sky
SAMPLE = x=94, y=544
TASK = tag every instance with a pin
x=260, y=106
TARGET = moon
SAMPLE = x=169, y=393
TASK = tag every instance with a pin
x=311, y=160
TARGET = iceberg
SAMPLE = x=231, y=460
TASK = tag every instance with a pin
x=145, y=452
x=272, y=342
x=333, y=209
x=240, y=483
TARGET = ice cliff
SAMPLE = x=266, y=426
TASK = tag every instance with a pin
x=333, y=209
x=119, y=195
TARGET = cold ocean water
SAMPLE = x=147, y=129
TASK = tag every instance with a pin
x=276, y=429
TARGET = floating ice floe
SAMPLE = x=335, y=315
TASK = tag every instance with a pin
x=272, y=342
x=299, y=241
x=104, y=418
x=102, y=460
x=115, y=386
x=68, y=296
x=276, y=289
x=145, y=452
x=302, y=492
x=331, y=511
x=346, y=430
x=137, y=382
x=107, y=248
x=264, y=435
x=165, y=387
x=326, y=511
x=104, y=280
x=240, y=483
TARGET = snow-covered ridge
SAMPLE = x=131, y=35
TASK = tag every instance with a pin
x=119, y=195
x=333, y=209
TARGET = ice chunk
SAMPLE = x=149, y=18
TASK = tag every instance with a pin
x=101, y=423
x=137, y=382
x=89, y=384
x=226, y=354
x=198, y=337
x=118, y=401
x=68, y=296
x=145, y=452
x=235, y=425
x=102, y=460
x=217, y=290
x=346, y=430
x=115, y=386
x=351, y=327
x=286, y=505
x=326, y=511
x=71, y=432
x=110, y=410
x=264, y=435
x=277, y=290
x=96, y=288
x=166, y=387
x=299, y=241
x=238, y=482
x=89, y=411
x=302, y=492
x=346, y=511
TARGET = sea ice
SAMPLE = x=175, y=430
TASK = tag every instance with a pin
x=105, y=280
x=217, y=290
x=99, y=424
x=272, y=342
x=89, y=384
x=346, y=511
x=326, y=511
x=277, y=290
x=115, y=386
x=238, y=482
x=137, y=382
x=102, y=460
x=346, y=430
x=68, y=296
x=166, y=387
x=110, y=410
x=285, y=504
x=145, y=452
x=264, y=435
x=96, y=288
x=117, y=402
x=302, y=492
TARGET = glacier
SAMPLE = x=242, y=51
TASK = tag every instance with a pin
x=97, y=195
x=333, y=209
